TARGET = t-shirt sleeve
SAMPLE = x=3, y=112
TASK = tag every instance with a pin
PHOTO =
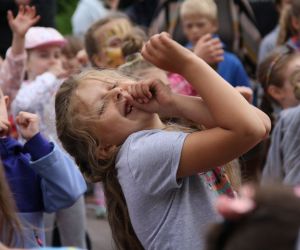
x=153, y=160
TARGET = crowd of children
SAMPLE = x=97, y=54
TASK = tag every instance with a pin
x=158, y=129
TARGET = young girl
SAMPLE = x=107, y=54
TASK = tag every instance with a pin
x=44, y=75
x=12, y=68
x=109, y=123
x=274, y=76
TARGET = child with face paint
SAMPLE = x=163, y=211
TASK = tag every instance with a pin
x=103, y=41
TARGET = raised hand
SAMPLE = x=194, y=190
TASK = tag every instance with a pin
x=4, y=127
x=28, y=124
x=209, y=49
x=25, y=18
x=152, y=96
x=167, y=54
x=58, y=70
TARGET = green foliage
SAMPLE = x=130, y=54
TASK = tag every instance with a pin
x=65, y=10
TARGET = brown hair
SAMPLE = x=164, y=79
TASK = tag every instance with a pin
x=271, y=72
x=273, y=224
x=80, y=143
x=72, y=47
x=90, y=42
x=9, y=221
x=286, y=29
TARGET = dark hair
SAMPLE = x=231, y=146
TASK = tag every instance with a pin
x=273, y=224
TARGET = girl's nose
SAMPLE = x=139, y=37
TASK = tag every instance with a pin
x=117, y=93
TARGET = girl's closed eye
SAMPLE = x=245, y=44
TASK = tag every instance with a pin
x=102, y=107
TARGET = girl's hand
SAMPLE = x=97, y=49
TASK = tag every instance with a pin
x=152, y=96
x=209, y=49
x=4, y=127
x=58, y=70
x=28, y=124
x=23, y=21
x=167, y=54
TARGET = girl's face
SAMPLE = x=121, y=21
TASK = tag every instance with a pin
x=40, y=60
x=114, y=119
x=110, y=37
x=286, y=97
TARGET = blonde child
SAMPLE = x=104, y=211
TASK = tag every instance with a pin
x=104, y=38
x=44, y=75
x=109, y=123
x=200, y=24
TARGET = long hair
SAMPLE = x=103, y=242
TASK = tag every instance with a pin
x=73, y=132
x=9, y=221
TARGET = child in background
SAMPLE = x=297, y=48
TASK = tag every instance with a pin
x=258, y=215
x=70, y=54
x=44, y=76
x=200, y=24
x=104, y=38
x=109, y=123
x=12, y=68
x=274, y=76
x=282, y=163
x=42, y=177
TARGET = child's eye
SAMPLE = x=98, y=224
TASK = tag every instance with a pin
x=102, y=108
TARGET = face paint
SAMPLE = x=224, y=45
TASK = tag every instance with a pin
x=113, y=56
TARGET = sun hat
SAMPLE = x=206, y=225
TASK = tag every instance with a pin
x=41, y=36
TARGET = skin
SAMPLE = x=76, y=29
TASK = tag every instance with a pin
x=196, y=26
x=109, y=37
x=230, y=119
x=19, y=25
x=43, y=59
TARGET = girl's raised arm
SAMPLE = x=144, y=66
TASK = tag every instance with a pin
x=239, y=125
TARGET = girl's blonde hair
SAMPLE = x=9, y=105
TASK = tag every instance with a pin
x=73, y=131
x=205, y=8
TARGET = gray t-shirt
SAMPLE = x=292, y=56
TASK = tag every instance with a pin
x=166, y=213
x=283, y=161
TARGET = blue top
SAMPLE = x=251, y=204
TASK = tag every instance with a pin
x=231, y=69
x=42, y=178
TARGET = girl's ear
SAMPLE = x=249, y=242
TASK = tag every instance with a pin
x=105, y=152
x=276, y=93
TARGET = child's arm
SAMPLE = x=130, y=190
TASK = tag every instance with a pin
x=12, y=69
x=61, y=182
x=240, y=126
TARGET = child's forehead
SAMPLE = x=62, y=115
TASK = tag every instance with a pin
x=119, y=27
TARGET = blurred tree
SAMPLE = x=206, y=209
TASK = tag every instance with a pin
x=65, y=10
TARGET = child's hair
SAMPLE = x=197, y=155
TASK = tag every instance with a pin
x=80, y=143
x=295, y=81
x=286, y=29
x=91, y=44
x=205, y=8
x=271, y=72
x=273, y=223
x=9, y=221
x=131, y=48
x=72, y=47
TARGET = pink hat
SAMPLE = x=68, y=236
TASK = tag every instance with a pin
x=41, y=36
